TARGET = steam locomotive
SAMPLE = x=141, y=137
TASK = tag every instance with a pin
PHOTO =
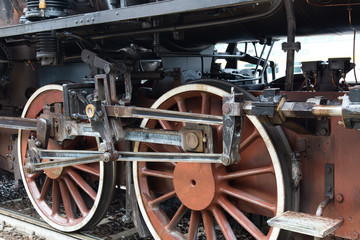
x=99, y=93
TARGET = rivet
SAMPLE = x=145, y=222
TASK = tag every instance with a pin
x=226, y=108
x=339, y=198
x=355, y=235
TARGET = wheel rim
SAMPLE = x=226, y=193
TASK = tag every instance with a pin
x=67, y=198
x=209, y=195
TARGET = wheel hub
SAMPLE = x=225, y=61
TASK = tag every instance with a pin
x=53, y=173
x=194, y=184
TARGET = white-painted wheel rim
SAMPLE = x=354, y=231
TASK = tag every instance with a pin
x=38, y=209
x=280, y=207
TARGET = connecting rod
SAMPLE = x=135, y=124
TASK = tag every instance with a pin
x=65, y=158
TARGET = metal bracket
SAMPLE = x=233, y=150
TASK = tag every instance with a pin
x=197, y=138
x=111, y=70
x=232, y=125
x=296, y=170
x=43, y=132
x=329, y=180
x=291, y=46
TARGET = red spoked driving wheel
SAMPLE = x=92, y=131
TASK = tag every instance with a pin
x=193, y=200
x=69, y=198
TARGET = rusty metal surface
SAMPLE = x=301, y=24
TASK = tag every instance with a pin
x=339, y=148
x=306, y=223
x=7, y=159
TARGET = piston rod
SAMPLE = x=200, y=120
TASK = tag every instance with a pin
x=327, y=111
x=18, y=123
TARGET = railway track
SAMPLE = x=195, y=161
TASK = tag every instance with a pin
x=29, y=226
x=15, y=225
x=19, y=220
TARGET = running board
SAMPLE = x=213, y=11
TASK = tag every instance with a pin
x=306, y=223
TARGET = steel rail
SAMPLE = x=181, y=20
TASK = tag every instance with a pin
x=30, y=225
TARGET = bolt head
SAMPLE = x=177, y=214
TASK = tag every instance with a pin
x=192, y=141
x=355, y=235
x=226, y=108
x=38, y=143
x=225, y=160
x=339, y=198
x=68, y=129
x=341, y=123
x=105, y=157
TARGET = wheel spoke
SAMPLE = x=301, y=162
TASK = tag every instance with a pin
x=45, y=189
x=223, y=223
x=76, y=196
x=241, y=218
x=249, y=140
x=194, y=225
x=246, y=173
x=208, y=225
x=154, y=173
x=165, y=125
x=33, y=176
x=65, y=196
x=181, y=104
x=82, y=183
x=205, y=103
x=177, y=217
x=88, y=169
x=248, y=198
x=162, y=198
x=55, y=197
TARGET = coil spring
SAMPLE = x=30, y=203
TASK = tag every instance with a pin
x=46, y=47
x=54, y=8
x=62, y=4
